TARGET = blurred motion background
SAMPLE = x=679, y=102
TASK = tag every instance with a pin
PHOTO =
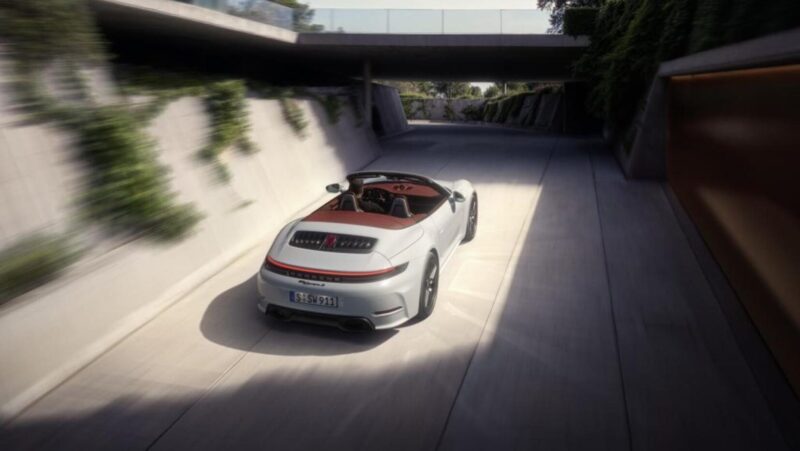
x=133, y=167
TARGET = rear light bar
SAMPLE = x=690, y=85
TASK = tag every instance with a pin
x=333, y=242
x=331, y=276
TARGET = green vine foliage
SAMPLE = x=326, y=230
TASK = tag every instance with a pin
x=230, y=123
x=331, y=104
x=45, y=30
x=293, y=115
x=632, y=37
x=127, y=189
x=225, y=100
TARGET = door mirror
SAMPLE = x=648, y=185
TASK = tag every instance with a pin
x=458, y=197
x=334, y=188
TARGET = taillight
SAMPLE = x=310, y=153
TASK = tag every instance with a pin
x=331, y=276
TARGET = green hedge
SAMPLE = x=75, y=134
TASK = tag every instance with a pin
x=632, y=37
x=414, y=103
x=580, y=20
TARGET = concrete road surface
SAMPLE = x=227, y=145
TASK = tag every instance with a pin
x=578, y=318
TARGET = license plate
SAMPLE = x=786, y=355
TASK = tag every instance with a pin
x=314, y=299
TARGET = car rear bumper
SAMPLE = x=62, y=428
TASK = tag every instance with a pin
x=374, y=305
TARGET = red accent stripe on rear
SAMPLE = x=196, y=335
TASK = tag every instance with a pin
x=329, y=273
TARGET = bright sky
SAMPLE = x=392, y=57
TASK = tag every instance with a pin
x=424, y=4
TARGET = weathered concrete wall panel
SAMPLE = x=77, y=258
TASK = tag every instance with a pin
x=390, y=116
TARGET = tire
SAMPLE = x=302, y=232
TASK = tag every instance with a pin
x=472, y=220
x=430, y=287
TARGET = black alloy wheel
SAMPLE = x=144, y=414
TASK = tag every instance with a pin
x=430, y=287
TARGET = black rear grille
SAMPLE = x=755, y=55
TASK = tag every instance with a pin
x=333, y=242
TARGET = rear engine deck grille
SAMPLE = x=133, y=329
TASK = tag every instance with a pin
x=333, y=242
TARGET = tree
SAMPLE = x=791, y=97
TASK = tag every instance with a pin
x=492, y=91
x=303, y=15
x=452, y=89
x=259, y=11
x=475, y=91
x=425, y=87
x=557, y=8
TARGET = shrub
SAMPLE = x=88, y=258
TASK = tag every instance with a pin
x=492, y=92
x=580, y=20
x=415, y=104
x=473, y=112
x=409, y=100
x=32, y=261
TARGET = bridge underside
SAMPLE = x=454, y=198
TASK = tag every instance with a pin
x=152, y=36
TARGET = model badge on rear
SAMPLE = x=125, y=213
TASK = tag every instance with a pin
x=313, y=284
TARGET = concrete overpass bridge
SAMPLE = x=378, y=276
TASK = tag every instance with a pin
x=169, y=32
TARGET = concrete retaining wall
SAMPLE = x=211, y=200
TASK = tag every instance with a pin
x=540, y=111
x=641, y=150
x=437, y=109
x=389, y=117
x=50, y=333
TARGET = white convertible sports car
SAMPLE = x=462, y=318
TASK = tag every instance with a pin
x=370, y=257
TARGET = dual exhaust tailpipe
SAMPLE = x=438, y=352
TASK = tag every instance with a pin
x=347, y=323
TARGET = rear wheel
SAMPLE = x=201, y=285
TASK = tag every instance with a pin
x=472, y=220
x=430, y=287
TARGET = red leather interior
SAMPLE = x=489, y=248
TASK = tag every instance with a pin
x=328, y=212
x=406, y=189
x=379, y=220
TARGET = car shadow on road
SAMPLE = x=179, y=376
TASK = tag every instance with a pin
x=233, y=320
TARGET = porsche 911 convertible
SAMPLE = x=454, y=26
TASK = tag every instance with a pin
x=370, y=257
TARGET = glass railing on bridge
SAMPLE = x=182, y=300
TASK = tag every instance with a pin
x=385, y=21
x=432, y=21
